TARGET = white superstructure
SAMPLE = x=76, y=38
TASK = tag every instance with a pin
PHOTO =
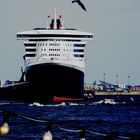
x=55, y=45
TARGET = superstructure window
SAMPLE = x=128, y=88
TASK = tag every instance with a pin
x=78, y=45
x=55, y=40
x=30, y=50
x=54, y=35
x=54, y=54
x=78, y=50
x=29, y=44
x=30, y=55
x=54, y=49
x=54, y=44
x=78, y=55
x=40, y=44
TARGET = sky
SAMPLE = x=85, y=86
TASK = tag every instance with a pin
x=115, y=24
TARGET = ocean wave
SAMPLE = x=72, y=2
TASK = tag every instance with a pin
x=101, y=102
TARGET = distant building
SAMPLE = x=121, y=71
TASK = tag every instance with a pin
x=135, y=88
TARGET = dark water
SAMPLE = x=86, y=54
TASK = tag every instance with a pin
x=119, y=119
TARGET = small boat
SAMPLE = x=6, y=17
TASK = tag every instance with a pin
x=107, y=101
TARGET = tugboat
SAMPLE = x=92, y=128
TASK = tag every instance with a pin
x=54, y=62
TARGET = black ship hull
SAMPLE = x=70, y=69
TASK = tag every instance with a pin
x=47, y=81
x=51, y=79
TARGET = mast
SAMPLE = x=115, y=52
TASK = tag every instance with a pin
x=55, y=24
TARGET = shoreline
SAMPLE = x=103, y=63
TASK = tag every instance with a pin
x=117, y=93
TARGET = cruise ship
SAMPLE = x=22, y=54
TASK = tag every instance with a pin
x=54, y=62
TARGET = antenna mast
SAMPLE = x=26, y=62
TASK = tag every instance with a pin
x=55, y=26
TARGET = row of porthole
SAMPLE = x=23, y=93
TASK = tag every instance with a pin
x=75, y=55
x=42, y=44
x=50, y=54
x=55, y=50
x=57, y=44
